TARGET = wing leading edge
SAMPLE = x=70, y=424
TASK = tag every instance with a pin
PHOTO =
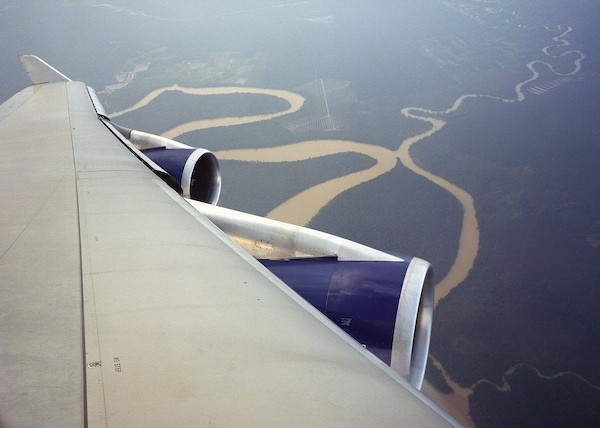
x=123, y=306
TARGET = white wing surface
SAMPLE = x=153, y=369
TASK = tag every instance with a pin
x=122, y=306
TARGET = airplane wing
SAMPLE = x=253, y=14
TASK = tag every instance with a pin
x=120, y=305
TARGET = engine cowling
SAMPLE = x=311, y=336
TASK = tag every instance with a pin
x=386, y=306
x=382, y=300
x=196, y=170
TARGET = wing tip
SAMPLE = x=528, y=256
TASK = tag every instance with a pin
x=39, y=71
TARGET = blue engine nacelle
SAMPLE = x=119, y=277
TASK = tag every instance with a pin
x=384, y=301
x=386, y=306
x=196, y=170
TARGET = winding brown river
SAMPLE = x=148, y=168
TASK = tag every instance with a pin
x=302, y=207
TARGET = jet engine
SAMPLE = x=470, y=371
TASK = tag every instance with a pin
x=384, y=305
x=384, y=301
x=196, y=170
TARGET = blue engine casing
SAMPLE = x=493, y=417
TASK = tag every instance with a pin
x=361, y=297
x=196, y=170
